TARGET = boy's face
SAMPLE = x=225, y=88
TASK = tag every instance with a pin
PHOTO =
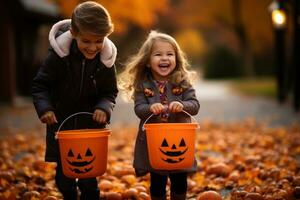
x=89, y=44
x=162, y=60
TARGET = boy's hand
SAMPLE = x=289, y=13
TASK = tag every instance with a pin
x=49, y=118
x=175, y=106
x=99, y=116
x=157, y=108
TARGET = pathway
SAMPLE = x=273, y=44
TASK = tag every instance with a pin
x=218, y=104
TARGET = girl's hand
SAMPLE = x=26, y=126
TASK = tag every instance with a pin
x=99, y=116
x=175, y=107
x=48, y=118
x=156, y=108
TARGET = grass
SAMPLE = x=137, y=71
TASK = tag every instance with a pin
x=262, y=86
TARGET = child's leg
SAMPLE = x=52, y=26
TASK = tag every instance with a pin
x=158, y=186
x=178, y=186
x=89, y=189
x=65, y=185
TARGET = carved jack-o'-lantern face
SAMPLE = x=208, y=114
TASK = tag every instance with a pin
x=80, y=164
x=173, y=154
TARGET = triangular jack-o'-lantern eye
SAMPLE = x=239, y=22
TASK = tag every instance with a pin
x=88, y=153
x=182, y=143
x=70, y=153
x=164, y=143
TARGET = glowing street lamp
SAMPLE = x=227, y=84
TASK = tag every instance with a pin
x=279, y=18
x=279, y=21
x=278, y=15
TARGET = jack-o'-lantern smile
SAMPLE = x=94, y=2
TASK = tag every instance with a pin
x=80, y=164
x=173, y=154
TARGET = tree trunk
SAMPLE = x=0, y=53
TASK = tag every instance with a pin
x=7, y=58
x=296, y=53
x=239, y=28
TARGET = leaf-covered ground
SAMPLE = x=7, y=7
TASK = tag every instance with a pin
x=239, y=161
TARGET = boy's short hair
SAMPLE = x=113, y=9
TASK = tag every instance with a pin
x=91, y=17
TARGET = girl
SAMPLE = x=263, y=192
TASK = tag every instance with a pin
x=77, y=75
x=159, y=82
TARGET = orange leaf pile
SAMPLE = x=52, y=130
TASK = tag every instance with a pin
x=238, y=161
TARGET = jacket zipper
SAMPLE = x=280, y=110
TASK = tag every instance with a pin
x=81, y=85
x=82, y=76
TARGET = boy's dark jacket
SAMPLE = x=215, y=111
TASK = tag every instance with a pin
x=71, y=84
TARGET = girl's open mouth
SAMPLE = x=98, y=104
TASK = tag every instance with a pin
x=164, y=65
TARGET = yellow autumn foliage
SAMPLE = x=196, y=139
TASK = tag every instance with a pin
x=123, y=12
x=192, y=42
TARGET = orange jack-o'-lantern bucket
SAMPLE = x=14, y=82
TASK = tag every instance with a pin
x=171, y=146
x=83, y=152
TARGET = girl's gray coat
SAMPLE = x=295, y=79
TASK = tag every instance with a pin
x=142, y=105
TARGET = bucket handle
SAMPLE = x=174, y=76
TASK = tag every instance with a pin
x=143, y=128
x=78, y=113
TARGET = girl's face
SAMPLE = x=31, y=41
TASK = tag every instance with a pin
x=162, y=60
x=89, y=44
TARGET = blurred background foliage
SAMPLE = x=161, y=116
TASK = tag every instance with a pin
x=222, y=38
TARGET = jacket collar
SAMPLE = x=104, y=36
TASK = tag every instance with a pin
x=60, y=39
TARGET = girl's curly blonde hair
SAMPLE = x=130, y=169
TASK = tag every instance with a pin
x=136, y=66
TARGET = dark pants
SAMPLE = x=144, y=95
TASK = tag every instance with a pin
x=68, y=186
x=159, y=183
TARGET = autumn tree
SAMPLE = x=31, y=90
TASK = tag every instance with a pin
x=244, y=27
x=124, y=12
